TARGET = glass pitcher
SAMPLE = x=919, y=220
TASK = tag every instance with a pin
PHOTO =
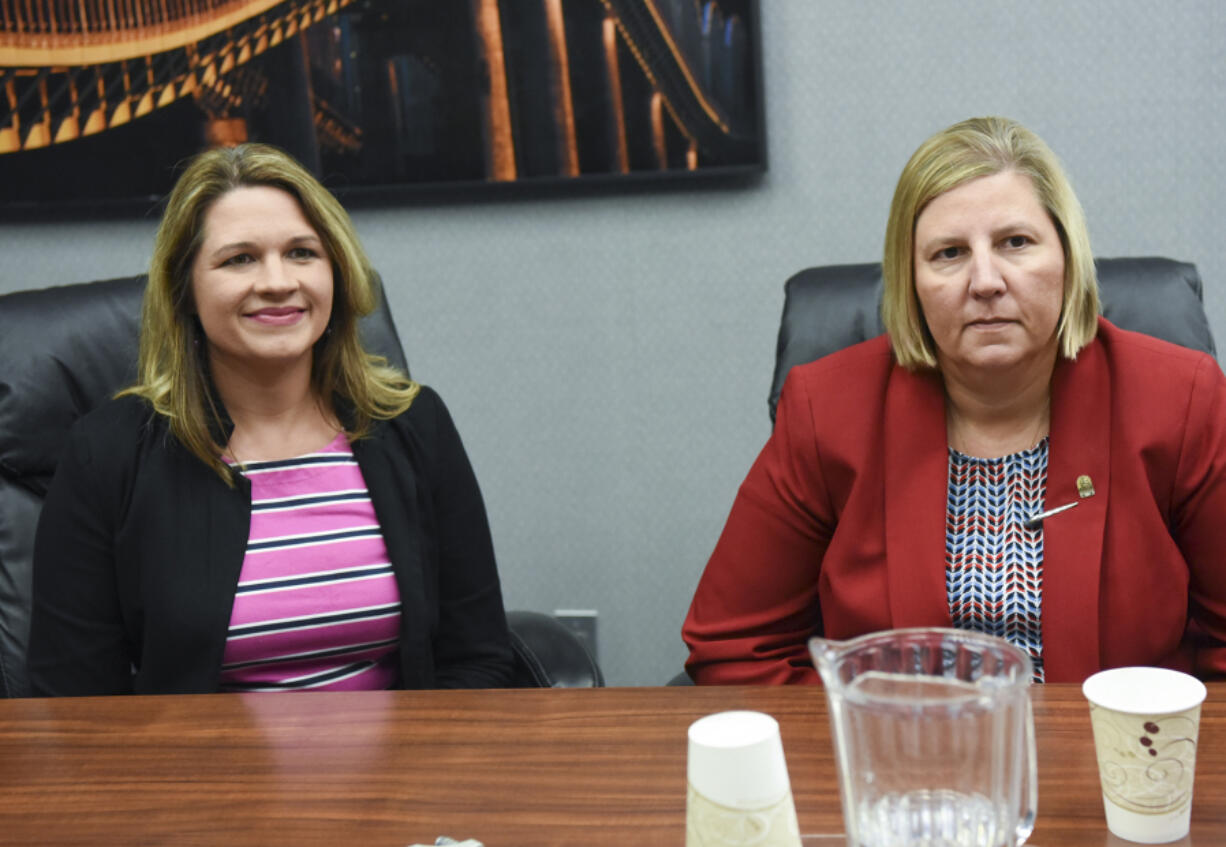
x=934, y=738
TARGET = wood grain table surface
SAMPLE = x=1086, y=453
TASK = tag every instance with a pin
x=522, y=768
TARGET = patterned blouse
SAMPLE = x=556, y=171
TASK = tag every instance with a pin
x=993, y=564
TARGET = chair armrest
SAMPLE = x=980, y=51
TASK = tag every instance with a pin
x=548, y=655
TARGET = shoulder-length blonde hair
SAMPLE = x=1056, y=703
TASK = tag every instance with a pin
x=965, y=151
x=172, y=371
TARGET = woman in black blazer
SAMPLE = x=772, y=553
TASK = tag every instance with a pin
x=152, y=565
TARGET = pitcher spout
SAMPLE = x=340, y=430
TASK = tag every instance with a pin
x=826, y=653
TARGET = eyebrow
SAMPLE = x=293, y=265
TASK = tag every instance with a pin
x=1015, y=226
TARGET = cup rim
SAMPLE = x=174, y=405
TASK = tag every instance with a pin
x=1100, y=689
x=754, y=728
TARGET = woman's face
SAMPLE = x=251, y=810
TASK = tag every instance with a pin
x=989, y=274
x=261, y=282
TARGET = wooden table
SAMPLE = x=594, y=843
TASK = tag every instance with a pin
x=535, y=768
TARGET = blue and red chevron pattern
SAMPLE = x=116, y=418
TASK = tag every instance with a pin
x=993, y=565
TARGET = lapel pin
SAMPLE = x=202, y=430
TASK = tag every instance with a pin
x=1085, y=486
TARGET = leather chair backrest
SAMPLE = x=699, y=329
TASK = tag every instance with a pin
x=548, y=655
x=828, y=308
x=64, y=351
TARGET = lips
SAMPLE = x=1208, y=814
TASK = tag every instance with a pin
x=277, y=315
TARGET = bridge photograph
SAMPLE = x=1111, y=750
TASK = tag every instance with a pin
x=101, y=100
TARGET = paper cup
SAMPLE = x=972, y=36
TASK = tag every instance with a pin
x=1145, y=724
x=739, y=793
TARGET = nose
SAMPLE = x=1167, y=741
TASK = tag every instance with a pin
x=276, y=279
x=986, y=279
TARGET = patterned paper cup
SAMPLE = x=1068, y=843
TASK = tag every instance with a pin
x=739, y=792
x=1145, y=724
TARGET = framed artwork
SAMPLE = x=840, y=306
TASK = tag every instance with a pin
x=102, y=100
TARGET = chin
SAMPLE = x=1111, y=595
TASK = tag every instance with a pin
x=285, y=347
x=277, y=355
x=996, y=360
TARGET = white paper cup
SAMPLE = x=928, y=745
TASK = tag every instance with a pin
x=739, y=793
x=1145, y=724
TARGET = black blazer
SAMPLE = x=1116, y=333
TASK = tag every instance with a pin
x=140, y=544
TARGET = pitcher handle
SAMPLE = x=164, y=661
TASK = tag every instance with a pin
x=1030, y=794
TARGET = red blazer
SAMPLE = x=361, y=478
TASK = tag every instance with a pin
x=839, y=529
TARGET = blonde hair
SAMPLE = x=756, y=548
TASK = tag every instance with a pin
x=958, y=154
x=173, y=365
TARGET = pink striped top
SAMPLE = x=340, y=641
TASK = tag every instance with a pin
x=317, y=605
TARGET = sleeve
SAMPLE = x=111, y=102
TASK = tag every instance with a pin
x=1199, y=520
x=77, y=642
x=472, y=648
x=756, y=604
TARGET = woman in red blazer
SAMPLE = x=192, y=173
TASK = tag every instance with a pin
x=918, y=479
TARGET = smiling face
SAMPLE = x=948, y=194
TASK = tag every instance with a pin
x=989, y=275
x=261, y=282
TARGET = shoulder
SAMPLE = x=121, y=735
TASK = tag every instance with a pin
x=423, y=413
x=1158, y=391
x=1126, y=343
x=106, y=448
x=116, y=427
x=1142, y=360
x=427, y=402
x=840, y=400
x=421, y=441
x=421, y=427
x=127, y=412
x=860, y=368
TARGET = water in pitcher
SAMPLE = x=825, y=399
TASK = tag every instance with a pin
x=924, y=817
x=910, y=689
x=933, y=819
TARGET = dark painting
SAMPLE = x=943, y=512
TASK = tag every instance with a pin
x=101, y=100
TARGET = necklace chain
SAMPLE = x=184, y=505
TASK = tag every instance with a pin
x=958, y=440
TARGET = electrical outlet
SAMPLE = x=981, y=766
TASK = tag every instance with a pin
x=582, y=622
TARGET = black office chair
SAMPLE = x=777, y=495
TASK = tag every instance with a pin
x=828, y=308
x=65, y=350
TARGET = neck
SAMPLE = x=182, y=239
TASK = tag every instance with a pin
x=995, y=414
x=276, y=414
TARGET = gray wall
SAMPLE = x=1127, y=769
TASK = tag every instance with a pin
x=607, y=358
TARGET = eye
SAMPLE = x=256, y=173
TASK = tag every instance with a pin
x=239, y=259
x=303, y=253
x=1016, y=241
x=947, y=253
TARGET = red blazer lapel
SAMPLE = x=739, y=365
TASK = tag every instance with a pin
x=1073, y=540
x=916, y=488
